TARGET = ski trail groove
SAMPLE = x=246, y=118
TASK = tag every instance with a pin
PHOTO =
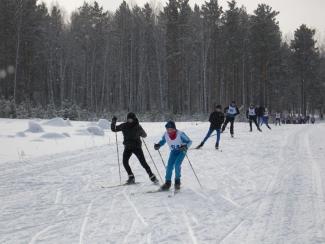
x=135, y=209
x=84, y=224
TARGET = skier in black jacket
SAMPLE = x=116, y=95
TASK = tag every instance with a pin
x=132, y=131
x=231, y=112
x=251, y=114
x=216, y=120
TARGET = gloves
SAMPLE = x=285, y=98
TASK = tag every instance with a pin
x=114, y=119
x=156, y=146
x=183, y=148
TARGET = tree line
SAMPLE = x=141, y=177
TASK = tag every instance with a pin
x=178, y=60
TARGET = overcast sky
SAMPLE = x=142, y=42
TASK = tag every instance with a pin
x=293, y=13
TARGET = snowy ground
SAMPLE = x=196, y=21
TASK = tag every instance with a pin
x=262, y=188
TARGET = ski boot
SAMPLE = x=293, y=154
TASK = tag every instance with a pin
x=154, y=179
x=131, y=180
x=232, y=135
x=200, y=145
x=166, y=186
x=177, y=184
x=259, y=129
x=217, y=146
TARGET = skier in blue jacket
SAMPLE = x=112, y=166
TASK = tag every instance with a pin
x=178, y=143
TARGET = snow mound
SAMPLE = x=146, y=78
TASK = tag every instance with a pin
x=91, y=124
x=103, y=123
x=34, y=127
x=95, y=130
x=59, y=122
x=20, y=134
x=66, y=134
x=53, y=135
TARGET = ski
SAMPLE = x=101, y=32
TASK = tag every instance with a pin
x=125, y=184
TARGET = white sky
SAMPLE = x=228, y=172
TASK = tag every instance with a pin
x=293, y=13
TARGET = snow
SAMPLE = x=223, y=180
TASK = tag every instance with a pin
x=261, y=188
x=57, y=122
x=34, y=127
x=104, y=124
x=53, y=135
x=95, y=130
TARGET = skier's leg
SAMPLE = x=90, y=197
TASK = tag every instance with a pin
x=126, y=156
x=232, y=126
x=178, y=163
x=170, y=166
x=207, y=136
x=218, y=135
x=139, y=153
x=250, y=123
x=257, y=126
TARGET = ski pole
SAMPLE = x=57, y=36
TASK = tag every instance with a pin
x=145, y=144
x=118, y=156
x=162, y=159
x=193, y=170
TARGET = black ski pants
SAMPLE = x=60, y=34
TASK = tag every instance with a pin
x=251, y=120
x=231, y=120
x=139, y=154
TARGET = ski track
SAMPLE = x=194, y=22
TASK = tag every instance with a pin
x=263, y=188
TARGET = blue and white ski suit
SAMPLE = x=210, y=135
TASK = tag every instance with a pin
x=176, y=156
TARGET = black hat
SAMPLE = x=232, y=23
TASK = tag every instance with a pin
x=219, y=106
x=170, y=125
x=131, y=116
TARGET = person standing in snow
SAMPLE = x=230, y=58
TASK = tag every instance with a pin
x=231, y=112
x=216, y=120
x=265, y=118
x=251, y=115
x=178, y=143
x=260, y=112
x=132, y=131
x=278, y=119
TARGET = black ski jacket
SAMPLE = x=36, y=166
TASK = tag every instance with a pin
x=131, y=132
x=216, y=120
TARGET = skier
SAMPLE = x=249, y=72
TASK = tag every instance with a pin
x=132, y=131
x=216, y=120
x=178, y=143
x=278, y=118
x=312, y=119
x=231, y=112
x=260, y=113
x=265, y=118
x=251, y=115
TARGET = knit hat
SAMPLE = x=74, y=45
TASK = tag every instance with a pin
x=170, y=125
x=131, y=116
x=219, y=106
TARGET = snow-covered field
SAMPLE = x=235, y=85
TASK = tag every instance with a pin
x=261, y=188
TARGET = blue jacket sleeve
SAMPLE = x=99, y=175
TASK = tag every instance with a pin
x=185, y=139
x=162, y=141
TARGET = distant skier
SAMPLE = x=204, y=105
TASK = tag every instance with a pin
x=132, y=131
x=260, y=113
x=216, y=120
x=312, y=120
x=265, y=118
x=278, y=119
x=251, y=115
x=178, y=143
x=231, y=112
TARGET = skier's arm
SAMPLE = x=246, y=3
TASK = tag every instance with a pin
x=162, y=141
x=114, y=127
x=210, y=118
x=247, y=114
x=142, y=132
x=237, y=110
x=186, y=140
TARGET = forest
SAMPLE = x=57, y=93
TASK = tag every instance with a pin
x=179, y=60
